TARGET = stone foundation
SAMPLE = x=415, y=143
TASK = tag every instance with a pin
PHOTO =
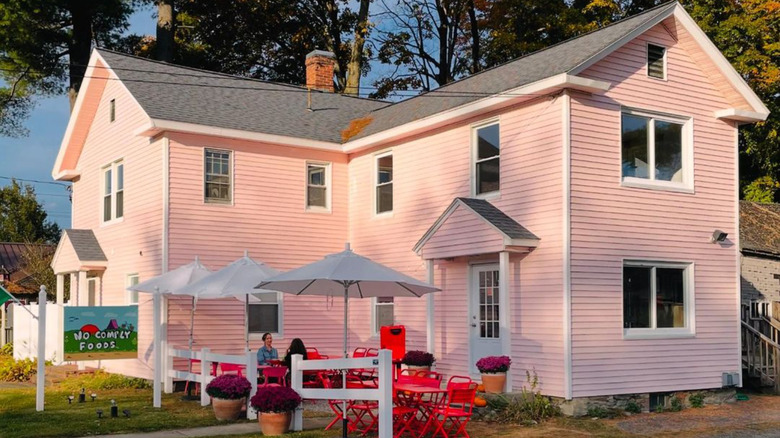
x=578, y=407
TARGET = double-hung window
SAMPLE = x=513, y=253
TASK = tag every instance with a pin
x=383, y=312
x=218, y=176
x=656, y=150
x=113, y=191
x=132, y=296
x=485, y=143
x=264, y=313
x=657, y=299
x=384, y=183
x=317, y=182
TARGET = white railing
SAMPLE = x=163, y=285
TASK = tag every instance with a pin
x=206, y=358
x=383, y=393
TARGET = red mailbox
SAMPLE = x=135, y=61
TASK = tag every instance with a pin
x=393, y=338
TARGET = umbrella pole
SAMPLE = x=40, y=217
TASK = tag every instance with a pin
x=192, y=329
x=344, y=376
x=246, y=321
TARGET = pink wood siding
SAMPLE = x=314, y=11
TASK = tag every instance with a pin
x=428, y=173
x=463, y=233
x=610, y=223
x=66, y=260
x=133, y=245
x=268, y=218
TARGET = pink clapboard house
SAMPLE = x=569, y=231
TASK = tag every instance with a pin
x=564, y=202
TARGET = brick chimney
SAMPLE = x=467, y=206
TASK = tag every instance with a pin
x=319, y=70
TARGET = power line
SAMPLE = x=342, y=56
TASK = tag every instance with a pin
x=35, y=181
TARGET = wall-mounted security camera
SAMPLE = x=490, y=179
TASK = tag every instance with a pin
x=718, y=236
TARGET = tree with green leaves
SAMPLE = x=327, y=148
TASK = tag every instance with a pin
x=45, y=47
x=22, y=217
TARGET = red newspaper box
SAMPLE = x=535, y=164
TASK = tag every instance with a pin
x=393, y=338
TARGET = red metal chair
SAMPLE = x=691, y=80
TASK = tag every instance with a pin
x=453, y=414
x=337, y=406
x=372, y=352
x=363, y=410
x=313, y=354
x=406, y=376
x=429, y=378
x=458, y=382
x=277, y=373
x=194, y=362
x=359, y=352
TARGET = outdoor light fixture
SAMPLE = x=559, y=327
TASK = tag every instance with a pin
x=114, y=409
x=70, y=399
x=126, y=412
x=82, y=396
x=718, y=236
x=100, y=413
x=94, y=396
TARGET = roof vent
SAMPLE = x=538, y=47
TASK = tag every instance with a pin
x=319, y=70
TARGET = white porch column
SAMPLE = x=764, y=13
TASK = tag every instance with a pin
x=83, y=296
x=506, y=313
x=431, y=324
x=61, y=321
x=74, y=290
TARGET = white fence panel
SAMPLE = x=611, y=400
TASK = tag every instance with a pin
x=26, y=333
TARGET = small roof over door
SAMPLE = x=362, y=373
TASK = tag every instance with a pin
x=471, y=227
x=78, y=250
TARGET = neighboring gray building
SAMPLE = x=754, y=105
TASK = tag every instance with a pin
x=760, y=246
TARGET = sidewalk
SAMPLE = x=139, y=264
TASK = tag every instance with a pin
x=227, y=429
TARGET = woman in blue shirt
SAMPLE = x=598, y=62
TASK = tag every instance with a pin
x=266, y=352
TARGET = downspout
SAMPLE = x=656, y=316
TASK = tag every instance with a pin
x=566, y=222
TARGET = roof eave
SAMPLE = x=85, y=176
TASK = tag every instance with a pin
x=740, y=115
x=158, y=126
x=548, y=85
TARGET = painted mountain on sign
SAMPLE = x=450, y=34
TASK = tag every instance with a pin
x=112, y=325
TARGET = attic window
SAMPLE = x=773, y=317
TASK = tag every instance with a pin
x=112, y=111
x=656, y=61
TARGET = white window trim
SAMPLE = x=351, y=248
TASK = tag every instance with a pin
x=128, y=293
x=328, y=187
x=374, y=303
x=474, y=153
x=231, y=166
x=647, y=60
x=113, y=166
x=377, y=156
x=689, y=301
x=686, y=186
x=254, y=336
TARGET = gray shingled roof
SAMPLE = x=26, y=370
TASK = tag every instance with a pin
x=175, y=93
x=498, y=218
x=181, y=94
x=759, y=227
x=86, y=245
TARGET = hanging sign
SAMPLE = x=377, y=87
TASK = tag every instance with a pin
x=105, y=332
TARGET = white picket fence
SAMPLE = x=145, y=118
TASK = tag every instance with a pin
x=206, y=358
x=383, y=394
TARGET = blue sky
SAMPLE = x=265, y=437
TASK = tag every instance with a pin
x=32, y=157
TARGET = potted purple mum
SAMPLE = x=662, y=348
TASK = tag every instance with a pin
x=228, y=393
x=275, y=405
x=418, y=360
x=493, y=369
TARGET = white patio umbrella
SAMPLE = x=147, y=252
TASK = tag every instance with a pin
x=162, y=285
x=236, y=280
x=350, y=275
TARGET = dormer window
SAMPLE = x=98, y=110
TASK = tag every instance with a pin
x=656, y=61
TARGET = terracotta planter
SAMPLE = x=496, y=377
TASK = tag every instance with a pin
x=494, y=383
x=418, y=368
x=274, y=423
x=227, y=409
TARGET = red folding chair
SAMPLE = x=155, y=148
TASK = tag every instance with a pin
x=363, y=410
x=313, y=354
x=277, y=373
x=429, y=378
x=406, y=376
x=458, y=382
x=453, y=414
x=194, y=362
x=337, y=406
x=359, y=352
x=372, y=352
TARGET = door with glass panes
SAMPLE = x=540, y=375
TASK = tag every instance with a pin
x=484, y=314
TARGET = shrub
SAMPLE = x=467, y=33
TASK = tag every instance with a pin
x=275, y=399
x=530, y=407
x=229, y=387
x=696, y=400
x=494, y=364
x=633, y=407
x=676, y=404
x=101, y=380
x=7, y=349
x=417, y=358
x=17, y=370
x=600, y=412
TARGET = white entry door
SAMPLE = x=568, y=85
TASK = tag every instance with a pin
x=484, y=314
